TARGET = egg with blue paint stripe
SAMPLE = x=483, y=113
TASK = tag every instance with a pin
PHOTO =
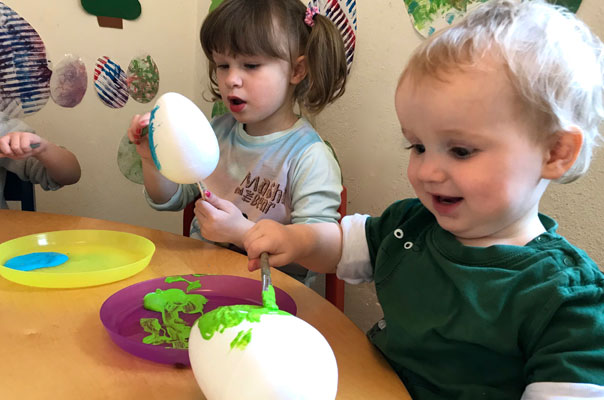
x=182, y=142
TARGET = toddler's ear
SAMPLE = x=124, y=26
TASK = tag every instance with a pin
x=299, y=70
x=562, y=153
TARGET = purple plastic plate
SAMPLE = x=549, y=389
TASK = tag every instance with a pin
x=122, y=311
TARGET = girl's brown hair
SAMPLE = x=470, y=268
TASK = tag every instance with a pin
x=276, y=28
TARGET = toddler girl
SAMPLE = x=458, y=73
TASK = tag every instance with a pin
x=265, y=58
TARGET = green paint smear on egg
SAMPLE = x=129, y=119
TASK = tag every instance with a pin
x=170, y=302
x=268, y=298
x=225, y=317
x=242, y=340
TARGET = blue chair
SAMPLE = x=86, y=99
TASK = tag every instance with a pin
x=16, y=189
x=334, y=287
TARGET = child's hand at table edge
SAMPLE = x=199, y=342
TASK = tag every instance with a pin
x=220, y=220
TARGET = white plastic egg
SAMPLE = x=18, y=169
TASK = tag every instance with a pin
x=286, y=358
x=182, y=141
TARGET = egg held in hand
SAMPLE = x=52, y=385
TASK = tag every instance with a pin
x=182, y=142
x=250, y=352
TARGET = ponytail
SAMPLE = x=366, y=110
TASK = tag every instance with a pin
x=327, y=69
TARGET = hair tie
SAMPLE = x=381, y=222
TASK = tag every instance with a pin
x=310, y=15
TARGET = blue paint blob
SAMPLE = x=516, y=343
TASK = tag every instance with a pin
x=31, y=261
x=151, y=134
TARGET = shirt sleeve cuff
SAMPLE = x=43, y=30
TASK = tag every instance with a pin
x=167, y=206
x=562, y=390
x=355, y=265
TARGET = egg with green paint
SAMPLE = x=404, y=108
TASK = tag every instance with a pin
x=249, y=352
x=182, y=142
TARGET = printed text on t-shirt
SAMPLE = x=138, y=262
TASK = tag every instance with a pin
x=263, y=194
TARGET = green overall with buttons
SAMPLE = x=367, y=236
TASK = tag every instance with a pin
x=468, y=322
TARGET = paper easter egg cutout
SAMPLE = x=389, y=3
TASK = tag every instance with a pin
x=182, y=142
x=110, y=83
x=24, y=72
x=285, y=358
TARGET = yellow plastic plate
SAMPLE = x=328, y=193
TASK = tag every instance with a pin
x=96, y=257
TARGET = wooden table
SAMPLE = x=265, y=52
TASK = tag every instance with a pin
x=53, y=345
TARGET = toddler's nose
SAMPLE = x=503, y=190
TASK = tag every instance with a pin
x=233, y=79
x=430, y=169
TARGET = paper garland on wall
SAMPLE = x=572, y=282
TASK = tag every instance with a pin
x=428, y=16
x=24, y=73
x=68, y=82
x=143, y=79
x=111, y=83
x=343, y=13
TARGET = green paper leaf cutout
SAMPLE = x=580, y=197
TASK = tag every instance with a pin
x=214, y=4
x=126, y=9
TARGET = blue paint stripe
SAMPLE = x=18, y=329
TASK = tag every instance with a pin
x=108, y=93
x=24, y=89
x=20, y=79
x=25, y=80
x=104, y=98
x=120, y=91
x=113, y=70
x=152, y=145
x=39, y=69
x=108, y=97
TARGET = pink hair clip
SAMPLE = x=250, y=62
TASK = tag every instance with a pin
x=310, y=14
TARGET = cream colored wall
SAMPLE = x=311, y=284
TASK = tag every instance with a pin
x=362, y=125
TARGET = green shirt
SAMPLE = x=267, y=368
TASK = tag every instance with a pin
x=468, y=322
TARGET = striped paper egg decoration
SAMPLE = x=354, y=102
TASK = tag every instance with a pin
x=343, y=13
x=24, y=72
x=111, y=83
